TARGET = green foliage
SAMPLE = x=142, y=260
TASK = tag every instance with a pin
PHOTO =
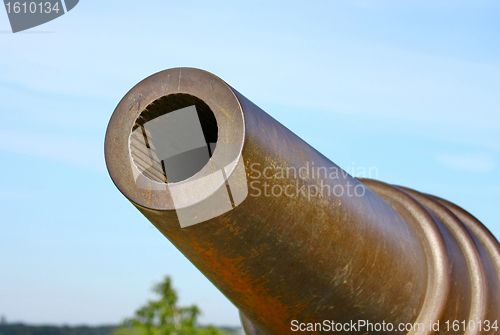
x=164, y=317
x=22, y=329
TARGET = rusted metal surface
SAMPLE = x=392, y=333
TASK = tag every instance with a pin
x=248, y=326
x=469, y=282
x=382, y=253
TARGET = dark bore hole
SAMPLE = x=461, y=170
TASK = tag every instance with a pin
x=173, y=138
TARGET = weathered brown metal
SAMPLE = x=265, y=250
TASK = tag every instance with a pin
x=248, y=326
x=379, y=253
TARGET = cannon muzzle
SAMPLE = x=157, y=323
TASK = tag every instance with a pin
x=286, y=235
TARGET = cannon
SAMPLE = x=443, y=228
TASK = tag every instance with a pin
x=291, y=239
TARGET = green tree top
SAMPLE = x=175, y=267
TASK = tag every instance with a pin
x=164, y=317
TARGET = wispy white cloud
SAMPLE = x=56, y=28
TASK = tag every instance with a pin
x=328, y=67
x=48, y=146
x=18, y=195
x=472, y=161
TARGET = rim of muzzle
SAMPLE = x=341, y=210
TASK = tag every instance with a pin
x=231, y=135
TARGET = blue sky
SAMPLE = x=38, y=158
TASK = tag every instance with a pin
x=408, y=87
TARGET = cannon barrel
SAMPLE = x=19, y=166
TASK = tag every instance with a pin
x=286, y=235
